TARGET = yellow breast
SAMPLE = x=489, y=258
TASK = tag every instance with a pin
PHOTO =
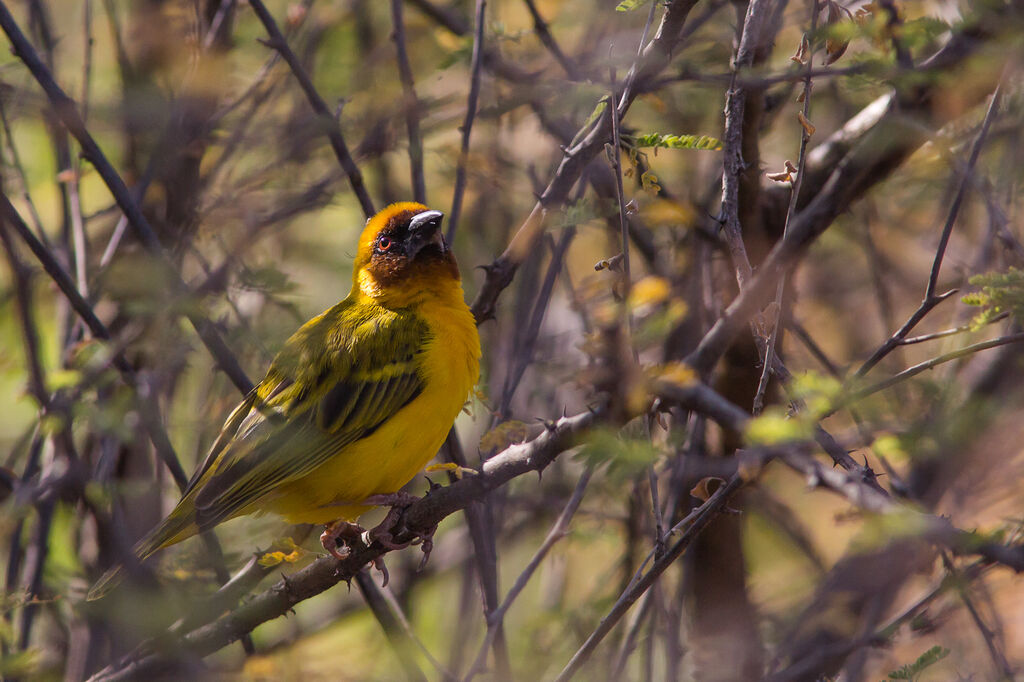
x=400, y=448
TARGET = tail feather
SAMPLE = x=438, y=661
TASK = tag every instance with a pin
x=175, y=528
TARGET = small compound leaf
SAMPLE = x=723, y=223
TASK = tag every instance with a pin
x=657, y=140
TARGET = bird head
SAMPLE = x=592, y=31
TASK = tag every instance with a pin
x=402, y=255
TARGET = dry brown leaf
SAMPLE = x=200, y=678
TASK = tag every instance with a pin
x=706, y=487
x=807, y=125
x=802, y=50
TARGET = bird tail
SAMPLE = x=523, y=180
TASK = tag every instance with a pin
x=179, y=525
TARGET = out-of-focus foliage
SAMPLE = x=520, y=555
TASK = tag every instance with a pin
x=210, y=128
x=999, y=293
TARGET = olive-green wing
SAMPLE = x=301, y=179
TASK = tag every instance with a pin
x=338, y=379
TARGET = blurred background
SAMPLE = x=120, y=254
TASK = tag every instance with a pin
x=210, y=129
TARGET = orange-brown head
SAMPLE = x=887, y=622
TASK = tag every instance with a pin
x=403, y=255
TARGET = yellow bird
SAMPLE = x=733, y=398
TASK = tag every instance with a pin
x=355, y=404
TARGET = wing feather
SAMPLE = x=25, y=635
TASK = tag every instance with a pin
x=309, y=408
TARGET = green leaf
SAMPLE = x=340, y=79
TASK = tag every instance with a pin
x=775, y=426
x=1000, y=292
x=657, y=140
x=630, y=5
x=912, y=671
x=583, y=211
x=626, y=454
x=818, y=391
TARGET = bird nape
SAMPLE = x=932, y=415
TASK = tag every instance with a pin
x=355, y=403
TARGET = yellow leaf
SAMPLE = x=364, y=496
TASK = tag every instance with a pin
x=774, y=427
x=649, y=291
x=452, y=467
x=668, y=212
x=678, y=373
x=271, y=559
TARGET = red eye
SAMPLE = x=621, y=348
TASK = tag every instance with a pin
x=383, y=243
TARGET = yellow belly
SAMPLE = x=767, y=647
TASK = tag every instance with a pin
x=400, y=448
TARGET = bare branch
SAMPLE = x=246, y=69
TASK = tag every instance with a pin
x=331, y=125
x=467, y=122
x=325, y=572
x=931, y=299
x=410, y=105
x=68, y=113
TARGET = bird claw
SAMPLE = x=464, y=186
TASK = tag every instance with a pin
x=381, y=533
x=378, y=563
x=340, y=530
x=347, y=532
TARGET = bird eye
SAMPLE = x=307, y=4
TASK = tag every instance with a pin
x=383, y=244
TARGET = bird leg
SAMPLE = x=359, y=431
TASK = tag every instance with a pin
x=346, y=532
x=382, y=532
x=340, y=530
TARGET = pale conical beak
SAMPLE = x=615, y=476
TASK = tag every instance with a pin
x=424, y=229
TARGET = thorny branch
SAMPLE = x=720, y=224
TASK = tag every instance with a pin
x=325, y=572
x=332, y=127
x=68, y=113
x=828, y=180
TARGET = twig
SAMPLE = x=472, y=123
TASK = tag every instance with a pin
x=19, y=169
x=81, y=245
x=147, y=410
x=558, y=531
x=659, y=521
x=35, y=556
x=840, y=171
x=929, y=364
x=399, y=639
x=325, y=572
x=467, y=122
x=65, y=108
x=773, y=333
x=732, y=154
x=636, y=622
x=331, y=125
x=615, y=157
x=404, y=622
x=936, y=529
x=801, y=333
x=931, y=299
x=704, y=515
x=525, y=352
x=410, y=105
x=540, y=27
x=655, y=57
x=762, y=81
x=950, y=332
x=481, y=532
x=998, y=657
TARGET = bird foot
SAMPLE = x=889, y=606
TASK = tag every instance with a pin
x=382, y=532
x=344, y=531
x=347, y=532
